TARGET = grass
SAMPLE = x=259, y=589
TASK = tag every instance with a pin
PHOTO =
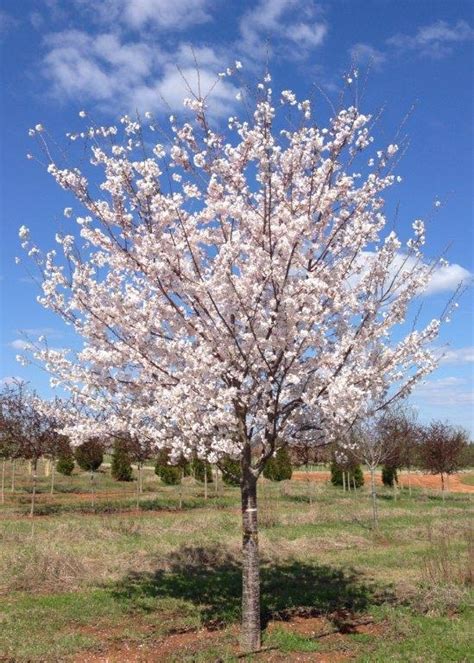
x=288, y=642
x=418, y=637
x=77, y=581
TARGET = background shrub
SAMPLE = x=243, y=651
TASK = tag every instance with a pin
x=389, y=476
x=65, y=465
x=121, y=467
x=169, y=474
x=355, y=474
x=90, y=455
x=278, y=467
x=230, y=469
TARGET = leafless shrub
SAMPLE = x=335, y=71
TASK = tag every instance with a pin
x=37, y=570
x=201, y=557
x=444, y=564
x=446, y=574
x=269, y=518
x=126, y=527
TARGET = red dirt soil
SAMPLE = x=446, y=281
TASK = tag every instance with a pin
x=180, y=645
x=160, y=650
x=418, y=480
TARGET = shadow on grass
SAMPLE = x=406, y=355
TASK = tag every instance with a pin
x=210, y=579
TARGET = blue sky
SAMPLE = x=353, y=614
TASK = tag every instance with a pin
x=114, y=56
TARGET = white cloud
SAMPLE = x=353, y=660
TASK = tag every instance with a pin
x=121, y=72
x=296, y=22
x=20, y=344
x=36, y=20
x=166, y=14
x=459, y=356
x=436, y=40
x=445, y=392
x=443, y=278
x=126, y=76
x=42, y=331
x=7, y=23
x=140, y=14
x=364, y=54
x=99, y=68
x=447, y=278
x=10, y=379
x=173, y=88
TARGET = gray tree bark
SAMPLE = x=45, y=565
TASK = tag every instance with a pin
x=250, y=635
x=33, y=492
x=375, y=517
x=53, y=476
x=181, y=489
x=139, y=469
x=93, y=490
x=3, y=481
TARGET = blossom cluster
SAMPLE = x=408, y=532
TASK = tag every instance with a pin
x=231, y=288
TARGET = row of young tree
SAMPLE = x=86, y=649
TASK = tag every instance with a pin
x=28, y=432
x=396, y=442
x=393, y=442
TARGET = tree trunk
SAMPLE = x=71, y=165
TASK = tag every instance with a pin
x=250, y=635
x=13, y=476
x=53, y=475
x=93, y=490
x=343, y=481
x=409, y=481
x=33, y=492
x=216, y=478
x=309, y=486
x=181, y=489
x=138, y=485
x=205, y=480
x=375, y=519
x=442, y=485
x=2, y=498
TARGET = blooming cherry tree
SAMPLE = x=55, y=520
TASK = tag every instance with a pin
x=233, y=288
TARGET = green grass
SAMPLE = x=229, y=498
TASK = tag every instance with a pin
x=417, y=637
x=82, y=580
x=288, y=642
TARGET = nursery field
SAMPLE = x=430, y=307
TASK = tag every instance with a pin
x=91, y=578
x=457, y=483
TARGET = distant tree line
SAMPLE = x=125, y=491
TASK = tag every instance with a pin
x=394, y=442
